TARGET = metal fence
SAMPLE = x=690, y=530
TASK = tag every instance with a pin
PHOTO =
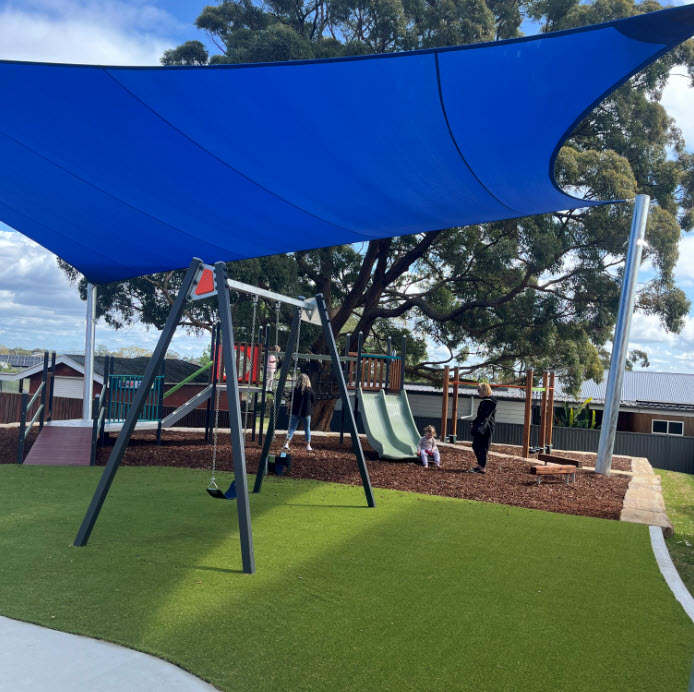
x=662, y=451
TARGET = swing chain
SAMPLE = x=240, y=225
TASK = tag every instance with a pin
x=276, y=381
x=277, y=324
x=251, y=362
x=296, y=364
x=214, y=435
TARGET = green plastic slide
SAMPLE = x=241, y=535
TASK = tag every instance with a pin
x=389, y=425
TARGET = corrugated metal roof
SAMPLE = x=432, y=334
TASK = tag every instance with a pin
x=176, y=370
x=643, y=386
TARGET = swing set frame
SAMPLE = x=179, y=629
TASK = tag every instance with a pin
x=316, y=312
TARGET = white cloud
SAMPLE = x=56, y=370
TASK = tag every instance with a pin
x=111, y=32
x=646, y=329
x=678, y=99
x=684, y=270
x=39, y=308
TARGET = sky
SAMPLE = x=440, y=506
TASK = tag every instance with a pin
x=40, y=309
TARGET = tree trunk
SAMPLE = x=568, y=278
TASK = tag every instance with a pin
x=322, y=414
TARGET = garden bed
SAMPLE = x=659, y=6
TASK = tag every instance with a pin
x=508, y=480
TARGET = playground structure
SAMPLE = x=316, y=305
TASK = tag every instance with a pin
x=544, y=442
x=389, y=424
x=109, y=410
x=196, y=275
x=160, y=226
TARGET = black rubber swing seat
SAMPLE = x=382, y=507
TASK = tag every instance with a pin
x=230, y=494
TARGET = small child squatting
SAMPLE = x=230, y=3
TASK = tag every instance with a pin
x=427, y=447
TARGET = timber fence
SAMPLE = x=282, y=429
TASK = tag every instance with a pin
x=63, y=408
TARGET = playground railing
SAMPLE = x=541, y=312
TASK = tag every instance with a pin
x=99, y=418
x=175, y=388
x=122, y=395
x=26, y=405
x=374, y=372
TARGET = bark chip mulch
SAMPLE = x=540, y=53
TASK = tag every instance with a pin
x=508, y=479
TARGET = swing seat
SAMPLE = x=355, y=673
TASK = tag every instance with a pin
x=279, y=465
x=215, y=492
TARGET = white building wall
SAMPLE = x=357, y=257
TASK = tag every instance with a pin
x=69, y=387
x=429, y=405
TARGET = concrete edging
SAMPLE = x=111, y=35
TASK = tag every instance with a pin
x=667, y=568
x=643, y=502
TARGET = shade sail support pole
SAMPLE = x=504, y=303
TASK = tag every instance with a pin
x=620, y=344
x=90, y=335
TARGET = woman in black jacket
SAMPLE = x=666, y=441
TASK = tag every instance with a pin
x=483, y=427
x=302, y=408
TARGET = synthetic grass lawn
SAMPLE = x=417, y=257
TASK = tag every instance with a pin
x=420, y=593
x=678, y=493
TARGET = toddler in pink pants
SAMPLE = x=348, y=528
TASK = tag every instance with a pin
x=427, y=447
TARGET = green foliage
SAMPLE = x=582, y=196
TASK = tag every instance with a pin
x=18, y=351
x=678, y=493
x=189, y=53
x=578, y=417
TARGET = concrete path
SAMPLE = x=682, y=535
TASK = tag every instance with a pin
x=643, y=502
x=36, y=659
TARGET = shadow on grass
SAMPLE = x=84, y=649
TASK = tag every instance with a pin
x=379, y=600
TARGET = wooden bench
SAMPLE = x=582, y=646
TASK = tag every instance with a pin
x=553, y=458
x=565, y=471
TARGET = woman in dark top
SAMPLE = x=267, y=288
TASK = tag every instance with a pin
x=302, y=408
x=483, y=427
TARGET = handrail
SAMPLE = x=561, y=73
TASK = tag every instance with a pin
x=379, y=355
x=33, y=420
x=25, y=405
x=99, y=409
x=468, y=383
x=175, y=388
x=33, y=398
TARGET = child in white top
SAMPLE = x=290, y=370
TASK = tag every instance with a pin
x=427, y=447
x=271, y=367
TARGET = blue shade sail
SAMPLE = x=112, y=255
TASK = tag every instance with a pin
x=130, y=171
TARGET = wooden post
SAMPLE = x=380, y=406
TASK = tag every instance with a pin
x=49, y=416
x=44, y=394
x=543, y=411
x=357, y=374
x=550, y=415
x=348, y=370
x=444, y=404
x=528, y=412
x=454, y=406
x=403, y=362
x=389, y=350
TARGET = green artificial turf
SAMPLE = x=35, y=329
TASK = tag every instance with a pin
x=678, y=493
x=420, y=593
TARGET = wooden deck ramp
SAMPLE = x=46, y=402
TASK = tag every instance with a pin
x=61, y=446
